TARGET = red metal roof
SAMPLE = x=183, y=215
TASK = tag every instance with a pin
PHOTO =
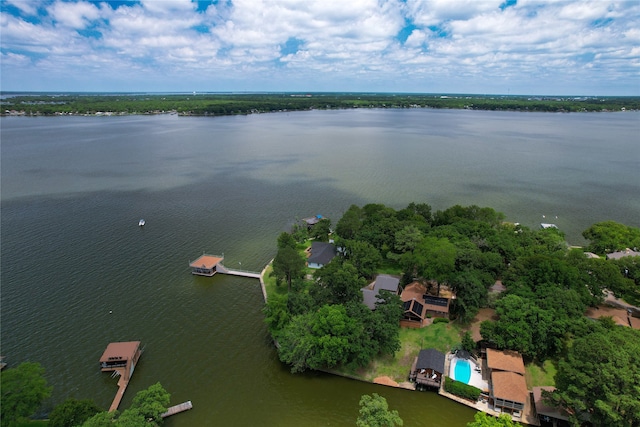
x=123, y=350
x=206, y=261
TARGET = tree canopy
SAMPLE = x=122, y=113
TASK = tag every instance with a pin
x=599, y=377
x=374, y=412
x=610, y=236
x=482, y=419
x=73, y=412
x=145, y=411
x=24, y=388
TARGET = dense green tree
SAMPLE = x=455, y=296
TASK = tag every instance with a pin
x=145, y=411
x=152, y=402
x=350, y=224
x=386, y=322
x=417, y=214
x=286, y=240
x=482, y=419
x=468, y=344
x=374, y=412
x=610, y=236
x=470, y=288
x=24, y=388
x=364, y=257
x=600, y=377
x=102, y=419
x=408, y=238
x=338, y=283
x=629, y=288
x=475, y=213
x=276, y=313
x=73, y=412
x=433, y=259
x=321, y=230
x=318, y=339
x=525, y=327
x=288, y=265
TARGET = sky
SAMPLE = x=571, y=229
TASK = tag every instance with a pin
x=553, y=47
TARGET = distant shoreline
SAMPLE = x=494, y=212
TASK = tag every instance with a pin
x=214, y=105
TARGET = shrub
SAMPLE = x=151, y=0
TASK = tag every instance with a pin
x=461, y=389
x=440, y=320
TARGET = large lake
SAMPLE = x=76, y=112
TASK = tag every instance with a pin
x=77, y=272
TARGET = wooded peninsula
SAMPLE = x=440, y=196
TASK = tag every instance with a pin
x=463, y=260
x=226, y=104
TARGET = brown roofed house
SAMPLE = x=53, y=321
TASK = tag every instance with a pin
x=509, y=392
x=414, y=313
x=546, y=412
x=505, y=360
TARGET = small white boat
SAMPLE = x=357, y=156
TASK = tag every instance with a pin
x=141, y=222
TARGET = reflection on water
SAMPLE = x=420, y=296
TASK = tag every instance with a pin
x=78, y=272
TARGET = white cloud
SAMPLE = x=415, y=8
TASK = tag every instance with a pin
x=75, y=15
x=337, y=42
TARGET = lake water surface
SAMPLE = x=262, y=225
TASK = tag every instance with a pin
x=77, y=272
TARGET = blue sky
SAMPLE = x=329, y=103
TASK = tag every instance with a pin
x=435, y=46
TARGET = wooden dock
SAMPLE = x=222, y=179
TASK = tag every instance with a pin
x=243, y=273
x=123, y=382
x=185, y=406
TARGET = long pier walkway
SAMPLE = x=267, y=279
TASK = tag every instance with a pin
x=244, y=273
x=123, y=382
x=185, y=406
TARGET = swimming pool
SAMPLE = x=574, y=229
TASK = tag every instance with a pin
x=462, y=371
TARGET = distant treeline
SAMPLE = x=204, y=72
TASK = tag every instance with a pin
x=232, y=104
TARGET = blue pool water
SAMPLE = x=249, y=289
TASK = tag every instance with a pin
x=462, y=371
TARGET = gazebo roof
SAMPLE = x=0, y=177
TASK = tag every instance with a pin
x=206, y=261
x=431, y=358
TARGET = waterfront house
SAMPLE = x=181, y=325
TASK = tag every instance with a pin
x=621, y=254
x=414, y=314
x=421, y=303
x=428, y=368
x=546, y=412
x=122, y=357
x=504, y=360
x=383, y=282
x=205, y=265
x=320, y=254
x=508, y=392
x=507, y=387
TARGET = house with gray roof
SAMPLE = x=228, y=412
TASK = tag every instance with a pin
x=383, y=282
x=320, y=254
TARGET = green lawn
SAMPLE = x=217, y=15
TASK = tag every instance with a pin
x=441, y=336
x=537, y=375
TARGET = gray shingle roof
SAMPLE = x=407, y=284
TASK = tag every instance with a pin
x=431, y=358
x=321, y=253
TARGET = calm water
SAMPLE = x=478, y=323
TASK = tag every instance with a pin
x=73, y=190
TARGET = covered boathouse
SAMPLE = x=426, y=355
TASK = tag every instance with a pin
x=206, y=265
x=121, y=359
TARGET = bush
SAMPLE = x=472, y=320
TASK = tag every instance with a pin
x=461, y=389
x=440, y=320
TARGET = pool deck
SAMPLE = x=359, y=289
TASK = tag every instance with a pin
x=476, y=376
x=528, y=416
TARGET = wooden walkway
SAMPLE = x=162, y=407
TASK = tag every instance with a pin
x=185, y=406
x=224, y=270
x=122, y=387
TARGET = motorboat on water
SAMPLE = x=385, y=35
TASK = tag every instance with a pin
x=141, y=222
